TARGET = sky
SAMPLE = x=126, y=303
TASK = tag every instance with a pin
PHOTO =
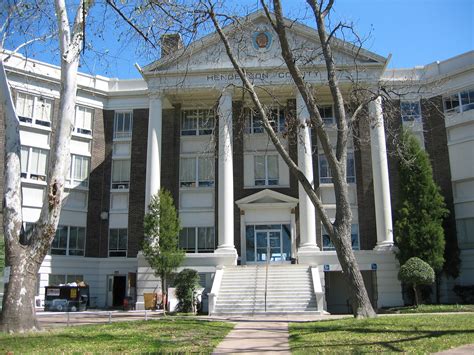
x=415, y=32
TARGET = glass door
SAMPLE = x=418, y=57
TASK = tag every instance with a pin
x=268, y=245
x=270, y=242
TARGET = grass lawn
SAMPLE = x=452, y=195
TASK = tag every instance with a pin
x=433, y=308
x=405, y=333
x=164, y=335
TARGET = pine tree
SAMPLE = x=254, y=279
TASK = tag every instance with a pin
x=419, y=219
x=161, y=244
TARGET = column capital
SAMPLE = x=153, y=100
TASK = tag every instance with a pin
x=156, y=95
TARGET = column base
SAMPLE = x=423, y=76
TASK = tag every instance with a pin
x=227, y=255
x=307, y=254
x=308, y=247
x=385, y=246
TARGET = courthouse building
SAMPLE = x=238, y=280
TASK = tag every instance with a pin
x=188, y=126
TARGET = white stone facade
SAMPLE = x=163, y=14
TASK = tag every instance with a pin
x=261, y=201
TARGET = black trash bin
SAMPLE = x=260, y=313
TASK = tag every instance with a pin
x=66, y=298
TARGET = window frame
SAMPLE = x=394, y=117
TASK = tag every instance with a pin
x=196, y=234
x=197, y=183
x=267, y=181
x=458, y=97
x=199, y=116
x=67, y=249
x=72, y=181
x=327, y=244
x=120, y=184
x=350, y=179
x=409, y=117
x=83, y=130
x=117, y=252
x=278, y=125
x=122, y=134
x=34, y=119
x=327, y=120
x=27, y=173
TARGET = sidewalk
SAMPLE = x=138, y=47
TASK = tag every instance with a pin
x=256, y=337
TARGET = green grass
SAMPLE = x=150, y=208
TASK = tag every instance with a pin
x=164, y=336
x=405, y=333
x=433, y=308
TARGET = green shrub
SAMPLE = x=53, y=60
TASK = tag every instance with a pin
x=186, y=283
x=416, y=272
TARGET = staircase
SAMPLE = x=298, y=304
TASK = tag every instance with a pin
x=289, y=290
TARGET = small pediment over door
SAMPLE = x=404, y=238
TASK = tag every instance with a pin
x=268, y=199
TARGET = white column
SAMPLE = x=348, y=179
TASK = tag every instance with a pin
x=383, y=208
x=153, y=155
x=226, y=177
x=243, y=239
x=293, y=233
x=305, y=163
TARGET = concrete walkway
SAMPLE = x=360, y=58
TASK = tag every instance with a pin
x=253, y=337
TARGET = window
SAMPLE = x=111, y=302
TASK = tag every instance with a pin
x=69, y=241
x=327, y=114
x=29, y=107
x=120, y=174
x=254, y=124
x=83, y=120
x=60, y=279
x=34, y=163
x=325, y=173
x=197, y=239
x=75, y=200
x=118, y=239
x=327, y=245
x=410, y=111
x=266, y=170
x=196, y=171
x=197, y=122
x=79, y=171
x=459, y=102
x=123, y=125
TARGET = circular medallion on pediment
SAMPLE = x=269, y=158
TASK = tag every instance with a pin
x=262, y=39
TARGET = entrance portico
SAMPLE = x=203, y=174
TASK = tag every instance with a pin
x=267, y=227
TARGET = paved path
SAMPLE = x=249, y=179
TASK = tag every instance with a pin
x=462, y=350
x=256, y=337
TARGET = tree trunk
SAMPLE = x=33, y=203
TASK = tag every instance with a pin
x=18, y=314
x=415, y=292
x=164, y=294
x=361, y=305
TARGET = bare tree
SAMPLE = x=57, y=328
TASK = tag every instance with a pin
x=339, y=230
x=25, y=253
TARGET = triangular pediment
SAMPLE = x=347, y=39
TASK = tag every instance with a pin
x=256, y=45
x=267, y=197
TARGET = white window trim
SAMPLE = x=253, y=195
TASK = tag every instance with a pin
x=196, y=173
x=266, y=171
x=196, y=240
x=410, y=118
x=460, y=108
x=249, y=121
x=68, y=238
x=328, y=120
x=209, y=114
x=40, y=178
x=117, y=250
x=122, y=185
x=33, y=121
x=81, y=131
x=332, y=248
x=81, y=184
x=125, y=136
x=349, y=153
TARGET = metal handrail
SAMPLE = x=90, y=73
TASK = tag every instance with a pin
x=266, y=272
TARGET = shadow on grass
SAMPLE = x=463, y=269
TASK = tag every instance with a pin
x=362, y=332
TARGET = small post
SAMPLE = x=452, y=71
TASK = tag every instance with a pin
x=110, y=317
x=67, y=318
x=146, y=315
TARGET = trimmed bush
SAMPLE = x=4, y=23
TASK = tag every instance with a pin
x=186, y=283
x=416, y=272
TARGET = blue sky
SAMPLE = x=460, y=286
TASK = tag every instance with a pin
x=415, y=32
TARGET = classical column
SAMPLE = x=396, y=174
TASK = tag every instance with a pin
x=305, y=163
x=226, y=177
x=383, y=208
x=153, y=155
